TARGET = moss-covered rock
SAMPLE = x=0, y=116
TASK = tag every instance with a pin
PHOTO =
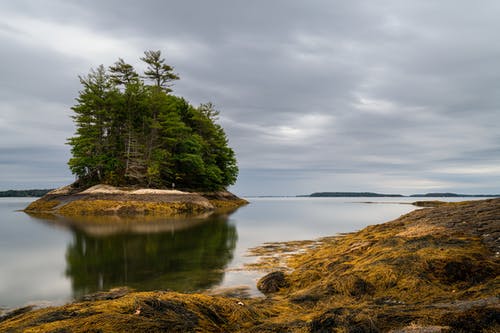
x=272, y=282
x=108, y=200
x=139, y=312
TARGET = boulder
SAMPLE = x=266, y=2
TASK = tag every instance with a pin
x=272, y=282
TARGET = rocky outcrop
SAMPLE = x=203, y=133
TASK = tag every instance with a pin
x=109, y=200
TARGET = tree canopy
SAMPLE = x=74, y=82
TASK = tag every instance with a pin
x=130, y=130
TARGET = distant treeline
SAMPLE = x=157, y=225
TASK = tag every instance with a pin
x=24, y=193
x=352, y=194
x=445, y=195
x=371, y=194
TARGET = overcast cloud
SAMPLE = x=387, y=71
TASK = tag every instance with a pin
x=388, y=96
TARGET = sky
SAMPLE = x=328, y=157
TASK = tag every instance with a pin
x=389, y=96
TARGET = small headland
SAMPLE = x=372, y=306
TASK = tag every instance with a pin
x=108, y=200
x=432, y=270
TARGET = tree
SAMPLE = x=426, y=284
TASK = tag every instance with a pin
x=129, y=133
x=92, y=117
x=123, y=73
x=161, y=75
x=157, y=71
x=132, y=120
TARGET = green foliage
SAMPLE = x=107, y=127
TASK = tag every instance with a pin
x=131, y=133
x=158, y=72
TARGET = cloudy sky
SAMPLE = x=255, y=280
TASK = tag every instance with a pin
x=387, y=96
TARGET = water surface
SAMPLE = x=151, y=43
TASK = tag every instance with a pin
x=45, y=260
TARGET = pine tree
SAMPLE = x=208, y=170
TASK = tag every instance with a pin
x=157, y=71
x=123, y=73
x=131, y=133
x=133, y=121
x=89, y=160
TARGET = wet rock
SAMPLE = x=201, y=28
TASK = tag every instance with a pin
x=61, y=315
x=360, y=287
x=16, y=312
x=305, y=298
x=461, y=270
x=341, y=319
x=272, y=282
x=429, y=203
x=106, y=295
x=473, y=320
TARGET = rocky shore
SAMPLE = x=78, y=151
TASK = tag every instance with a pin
x=433, y=270
x=109, y=200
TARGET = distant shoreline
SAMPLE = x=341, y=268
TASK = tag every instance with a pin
x=24, y=193
x=375, y=195
x=372, y=194
x=42, y=192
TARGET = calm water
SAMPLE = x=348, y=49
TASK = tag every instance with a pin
x=47, y=261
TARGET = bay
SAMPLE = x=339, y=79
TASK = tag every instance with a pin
x=45, y=261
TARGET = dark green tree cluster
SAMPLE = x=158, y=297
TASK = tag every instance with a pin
x=23, y=193
x=131, y=131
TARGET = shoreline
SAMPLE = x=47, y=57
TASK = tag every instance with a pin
x=112, y=201
x=432, y=270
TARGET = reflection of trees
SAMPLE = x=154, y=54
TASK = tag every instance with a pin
x=183, y=260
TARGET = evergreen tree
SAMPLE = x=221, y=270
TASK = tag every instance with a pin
x=132, y=119
x=123, y=73
x=90, y=157
x=157, y=71
x=131, y=133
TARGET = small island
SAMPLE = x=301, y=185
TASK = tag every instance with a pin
x=138, y=149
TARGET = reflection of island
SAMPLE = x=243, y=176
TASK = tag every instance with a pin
x=182, y=255
x=105, y=225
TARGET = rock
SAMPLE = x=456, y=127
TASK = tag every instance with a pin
x=114, y=293
x=344, y=320
x=16, y=312
x=272, y=282
x=429, y=203
x=108, y=200
x=359, y=287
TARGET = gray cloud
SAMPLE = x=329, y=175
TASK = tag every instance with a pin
x=321, y=95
